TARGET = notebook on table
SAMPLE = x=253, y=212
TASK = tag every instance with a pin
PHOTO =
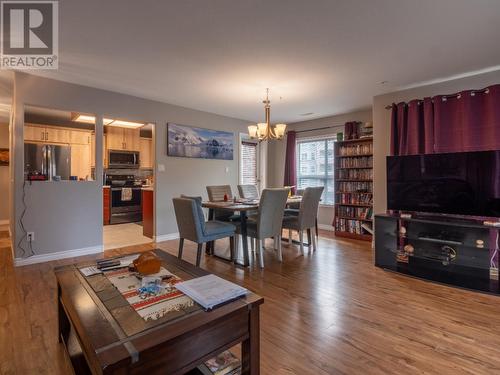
x=211, y=291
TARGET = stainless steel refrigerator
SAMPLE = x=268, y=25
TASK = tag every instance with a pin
x=48, y=160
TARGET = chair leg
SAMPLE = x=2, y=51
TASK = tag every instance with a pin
x=280, y=252
x=309, y=240
x=231, y=247
x=316, y=227
x=252, y=244
x=198, y=254
x=301, y=239
x=275, y=245
x=181, y=247
x=314, y=239
x=261, y=253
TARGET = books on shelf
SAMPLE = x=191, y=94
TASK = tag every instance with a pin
x=353, y=188
x=364, y=148
x=225, y=363
x=355, y=174
x=211, y=291
x=358, y=162
x=354, y=198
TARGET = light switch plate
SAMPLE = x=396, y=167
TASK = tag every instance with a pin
x=227, y=169
x=161, y=167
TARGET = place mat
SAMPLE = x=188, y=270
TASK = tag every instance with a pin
x=150, y=307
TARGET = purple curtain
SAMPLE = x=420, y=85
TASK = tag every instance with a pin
x=290, y=161
x=467, y=121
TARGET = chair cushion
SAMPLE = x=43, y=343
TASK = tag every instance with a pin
x=213, y=228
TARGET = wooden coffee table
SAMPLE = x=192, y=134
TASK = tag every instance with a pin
x=107, y=340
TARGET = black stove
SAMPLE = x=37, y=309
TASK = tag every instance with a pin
x=126, y=198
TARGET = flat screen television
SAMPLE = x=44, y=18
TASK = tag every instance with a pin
x=465, y=183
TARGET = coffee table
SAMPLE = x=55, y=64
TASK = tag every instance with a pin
x=102, y=339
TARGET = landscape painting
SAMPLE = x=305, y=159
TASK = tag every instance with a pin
x=4, y=156
x=188, y=142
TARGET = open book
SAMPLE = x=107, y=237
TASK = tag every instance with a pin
x=211, y=291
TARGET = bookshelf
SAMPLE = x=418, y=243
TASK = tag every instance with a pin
x=354, y=188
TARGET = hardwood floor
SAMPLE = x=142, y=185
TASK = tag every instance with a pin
x=328, y=312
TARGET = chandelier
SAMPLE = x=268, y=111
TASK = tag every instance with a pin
x=263, y=131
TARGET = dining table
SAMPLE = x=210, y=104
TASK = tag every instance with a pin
x=242, y=207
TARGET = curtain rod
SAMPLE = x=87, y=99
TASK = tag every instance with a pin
x=457, y=95
x=323, y=128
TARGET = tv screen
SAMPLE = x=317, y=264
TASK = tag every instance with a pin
x=465, y=183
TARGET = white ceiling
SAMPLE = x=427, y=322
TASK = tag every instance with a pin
x=321, y=56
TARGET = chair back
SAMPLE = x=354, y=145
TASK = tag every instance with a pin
x=216, y=193
x=248, y=191
x=271, y=211
x=190, y=218
x=309, y=207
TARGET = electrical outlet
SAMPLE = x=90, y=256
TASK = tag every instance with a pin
x=30, y=236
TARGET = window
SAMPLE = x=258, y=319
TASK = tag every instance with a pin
x=311, y=171
x=248, y=168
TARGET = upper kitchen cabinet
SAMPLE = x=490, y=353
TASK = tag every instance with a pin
x=119, y=138
x=57, y=145
x=146, y=153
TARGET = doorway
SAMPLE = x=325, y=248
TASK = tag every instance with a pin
x=128, y=183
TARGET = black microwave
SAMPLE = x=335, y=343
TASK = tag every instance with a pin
x=123, y=159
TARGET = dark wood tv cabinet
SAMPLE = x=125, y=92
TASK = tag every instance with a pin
x=454, y=251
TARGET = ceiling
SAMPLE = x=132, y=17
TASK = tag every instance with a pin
x=321, y=56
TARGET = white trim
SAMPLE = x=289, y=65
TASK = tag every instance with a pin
x=326, y=227
x=4, y=222
x=18, y=262
x=166, y=237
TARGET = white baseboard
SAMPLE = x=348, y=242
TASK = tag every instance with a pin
x=4, y=222
x=56, y=256
x=327, y=227
x=166, y=237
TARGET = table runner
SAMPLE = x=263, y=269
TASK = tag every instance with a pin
x=151, y=307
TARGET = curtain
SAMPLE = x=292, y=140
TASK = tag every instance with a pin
x=290, y=161
x=466, y=121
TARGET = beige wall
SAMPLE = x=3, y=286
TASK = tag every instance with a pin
x=68, y=215
x=382, y=122
x=276, y=152
x=4, y=176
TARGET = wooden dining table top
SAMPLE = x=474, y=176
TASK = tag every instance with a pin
x=243, y=204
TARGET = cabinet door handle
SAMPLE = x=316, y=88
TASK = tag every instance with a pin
x=46, y=136
x=43, y=136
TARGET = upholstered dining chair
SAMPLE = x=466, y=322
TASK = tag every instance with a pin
x=306, y=217
x=248, y=191
x=193, y=227
x=267, y=223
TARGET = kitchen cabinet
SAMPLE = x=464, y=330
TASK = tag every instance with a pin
x=93, y=154
x=34, y=133
x=106, y=205
x=146, y=153
x=48, y=134
x=81, y=137
x=57, y=135
x=148, y=212
x=80, y=161
x=122, y=139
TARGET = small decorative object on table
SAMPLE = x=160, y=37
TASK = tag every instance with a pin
x=147, y=264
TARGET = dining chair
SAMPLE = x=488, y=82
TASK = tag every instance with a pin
x=216, y=192
x=267, y=222
x=248, y=191
x=306, y=218
x=193, y=227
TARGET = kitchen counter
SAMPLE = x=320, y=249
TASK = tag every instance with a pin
x=148, y=187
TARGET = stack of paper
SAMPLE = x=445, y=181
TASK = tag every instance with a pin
x=211, y=291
